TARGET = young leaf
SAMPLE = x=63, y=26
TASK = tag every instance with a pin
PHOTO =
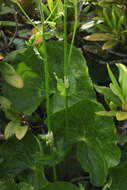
x=109, y=44
x=123, y=79
x=108, y=93
x=60, y=86
x=116, y=92
x=50, y=4
x=20, y=131
x=10, y=75
x=9, y=130
x=120, y=116
x=114, y=85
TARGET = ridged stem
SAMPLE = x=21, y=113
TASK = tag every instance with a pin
x=66, y=69
x=46, y=71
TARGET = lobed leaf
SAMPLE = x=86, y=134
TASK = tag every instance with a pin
x=27, y=99
x=95, y=143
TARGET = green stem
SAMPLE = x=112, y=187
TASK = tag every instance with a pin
x=74, y=30
x=53, y=11
x=45, y=60
x=46, y=70
x=65, y=63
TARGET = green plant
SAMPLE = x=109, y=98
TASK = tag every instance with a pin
x=115, y=94
x=47, y=86
x=112, y=28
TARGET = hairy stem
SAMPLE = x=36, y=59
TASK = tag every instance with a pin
x=46, y=70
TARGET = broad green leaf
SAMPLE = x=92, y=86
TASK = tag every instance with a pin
x=107, y=92
x=80, y=85
x=119, y=176
x=18, y=157
x=96, y=137
x=9, y=130
x=27, y=100
x=60, y=185
x=121, y=115
x=89, y=156
x=20, y=131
